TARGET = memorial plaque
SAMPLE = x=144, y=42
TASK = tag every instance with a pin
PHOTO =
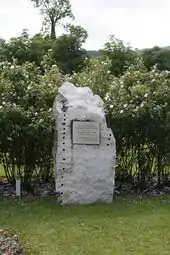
x=85, y=132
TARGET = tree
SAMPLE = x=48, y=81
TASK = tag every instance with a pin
x=53, y=12
x=17, y=47
x=66, y=50
x=78, y=32
x=121, y=55
x=156, y=56
x=2, y=41
x=2, y=50
x=68, y=54
x=24, y=48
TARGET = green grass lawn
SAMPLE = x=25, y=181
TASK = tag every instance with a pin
x=2, y=173
x=127, y=227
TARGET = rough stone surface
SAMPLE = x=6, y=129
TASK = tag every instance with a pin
x=84, y=173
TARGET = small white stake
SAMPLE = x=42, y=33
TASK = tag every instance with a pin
x=18, y=187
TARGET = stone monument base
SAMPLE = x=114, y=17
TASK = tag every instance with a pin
x=85, y=152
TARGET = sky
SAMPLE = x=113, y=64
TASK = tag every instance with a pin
x=142, y=23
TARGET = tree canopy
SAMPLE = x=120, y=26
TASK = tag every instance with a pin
x=53, y=12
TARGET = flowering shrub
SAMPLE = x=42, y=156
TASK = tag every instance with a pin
x=138, y=110
x=26, y=124
x=137, y=106
x=140, y=119
x=96, y=76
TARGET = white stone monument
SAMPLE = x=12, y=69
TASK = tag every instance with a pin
x=84, y=149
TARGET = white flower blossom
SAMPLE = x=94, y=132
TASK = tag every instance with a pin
x=142, y=104
x=146, y=95
x=1, y=106
x=121, y=84
x=125, y=105
x=136, y=109
x=111, y=106
x=107, y=96
x=121, y=111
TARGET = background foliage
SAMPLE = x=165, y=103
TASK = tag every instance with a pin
x=134, y=84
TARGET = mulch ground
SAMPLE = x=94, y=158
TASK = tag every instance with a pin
x=9, y=244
